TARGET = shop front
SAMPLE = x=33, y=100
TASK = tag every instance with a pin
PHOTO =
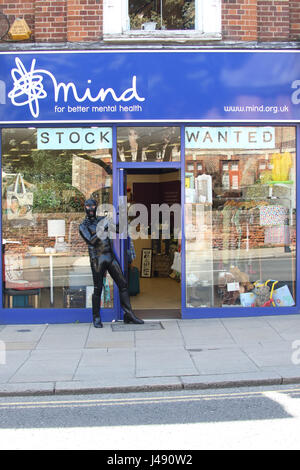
x=193, y=153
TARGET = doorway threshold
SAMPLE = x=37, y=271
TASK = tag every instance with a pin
x=158, y=313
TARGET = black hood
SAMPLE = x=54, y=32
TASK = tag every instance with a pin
x=90, y=207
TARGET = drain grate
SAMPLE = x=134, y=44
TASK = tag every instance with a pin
x=120, y=326
x=23, y=331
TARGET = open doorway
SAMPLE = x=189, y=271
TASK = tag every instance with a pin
x=159, y=293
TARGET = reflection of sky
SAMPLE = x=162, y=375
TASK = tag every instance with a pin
x=271, y=71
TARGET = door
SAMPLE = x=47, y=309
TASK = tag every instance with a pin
x=122, y=200
x=155, y=298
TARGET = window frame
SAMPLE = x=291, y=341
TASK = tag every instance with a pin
x=116, y=24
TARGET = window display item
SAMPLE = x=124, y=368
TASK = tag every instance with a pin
x=103, y=260
x=248, y=299
x=281, y=165
x=105, y=296
x=283, y=297
x=19, y=201
x=60, y=245
x=176, y=266
x=272, y=215
x=263, y=295
x=204, y=188
x=227, y=297
x=74, y=297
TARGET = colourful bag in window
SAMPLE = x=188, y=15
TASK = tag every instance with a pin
x=283, y=297
x=19, y=201
x=247, y=299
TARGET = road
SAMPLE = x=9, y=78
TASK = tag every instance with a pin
x=254, y=418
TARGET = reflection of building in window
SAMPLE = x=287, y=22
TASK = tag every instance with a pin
x=230, y=174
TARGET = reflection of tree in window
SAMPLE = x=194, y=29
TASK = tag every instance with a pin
x=49, y=171
x=166, y=14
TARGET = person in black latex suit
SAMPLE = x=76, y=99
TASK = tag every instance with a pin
x=103, y=259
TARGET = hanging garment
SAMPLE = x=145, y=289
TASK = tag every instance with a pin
x=105, y=294
x=281, y=163
x=130, y=251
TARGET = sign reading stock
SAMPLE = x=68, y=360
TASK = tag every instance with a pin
x=149, y=86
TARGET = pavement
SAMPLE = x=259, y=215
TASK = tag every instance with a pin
x=77, y=358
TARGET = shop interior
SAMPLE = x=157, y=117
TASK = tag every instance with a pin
x=159, y=291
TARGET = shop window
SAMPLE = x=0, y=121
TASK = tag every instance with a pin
x=162, y=18
x=240, y=217
x=148, y=144
x=46, y=176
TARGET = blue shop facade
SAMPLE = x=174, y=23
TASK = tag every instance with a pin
x=196, y=150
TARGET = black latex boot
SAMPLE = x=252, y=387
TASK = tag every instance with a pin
x=129, y=316
x=96, y=312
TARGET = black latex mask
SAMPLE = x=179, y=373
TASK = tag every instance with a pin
x=90, y=207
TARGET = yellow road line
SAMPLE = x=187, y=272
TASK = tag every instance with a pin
x=141, y=400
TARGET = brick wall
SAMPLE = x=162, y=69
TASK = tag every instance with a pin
x=294, y=19
x=261, y=20
x=82, y=20
x=273, y=20
x=58, y=20
x=50, y=21
x=239, y=20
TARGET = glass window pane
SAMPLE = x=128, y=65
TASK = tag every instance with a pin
x=148, y=144
x=162, y=14
x=241, y=217
x=43, y=190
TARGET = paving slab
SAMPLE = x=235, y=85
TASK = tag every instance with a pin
x=222, y=361
x=105, y=364
x=170, y=335
x=19, y=346
x=250, y=330
x=48, y=366
x=270, y=355
x=13, y=361
x=65, y=336
x=22, y=333
x=164, y=362
x=210, y=333
x=106, y=338
x=287, y=327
